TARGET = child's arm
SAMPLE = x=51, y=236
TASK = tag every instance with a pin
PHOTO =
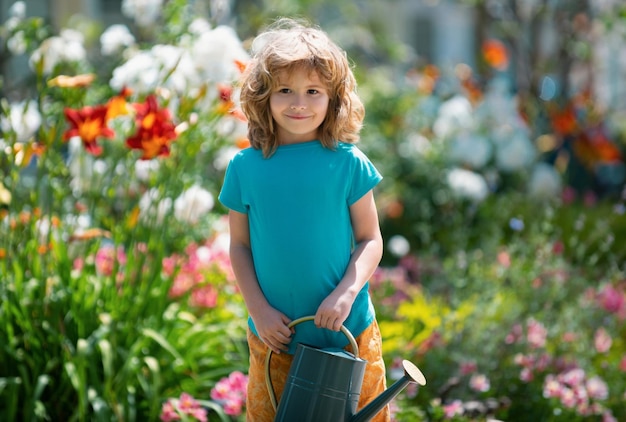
x=334, y=310
x=270, y=323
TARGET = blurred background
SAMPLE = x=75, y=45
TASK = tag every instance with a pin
x=499, y=127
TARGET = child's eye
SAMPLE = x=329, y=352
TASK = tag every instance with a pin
x=313, y=91
x=284, y=90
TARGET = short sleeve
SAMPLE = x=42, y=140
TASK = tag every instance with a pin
x=365, y=176
x=230, y=195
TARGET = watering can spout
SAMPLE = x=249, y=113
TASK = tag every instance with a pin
x=411, y=375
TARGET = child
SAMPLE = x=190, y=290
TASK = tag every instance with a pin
x=304, y=228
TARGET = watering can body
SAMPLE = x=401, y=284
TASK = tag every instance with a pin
x=322, y=385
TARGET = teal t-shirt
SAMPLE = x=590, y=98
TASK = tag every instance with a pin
x=297, y=202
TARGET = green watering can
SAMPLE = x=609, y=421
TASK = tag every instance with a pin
x=324, y=385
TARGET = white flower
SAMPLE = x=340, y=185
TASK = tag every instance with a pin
x=18, y=10
x=398, y=245
x=144, y=12
x=17, y=43
x=199, y=26
x=115, y=38
x=214, y=54
x=467, y=184
x=223, y=157
x=67, y=47
x=545, y=182
x=516, y=154
x=193, y=204
x=454, y=115
x=415, y=144
x=24, y=119
x=154, y=208
x=144, y=169
x=471, y=149
x=163, y=65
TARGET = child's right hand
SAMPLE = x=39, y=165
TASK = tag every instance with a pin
x=272, y=327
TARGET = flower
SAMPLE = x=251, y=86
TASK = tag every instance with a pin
x=480, y=383
x=467, y=184
x=602, y=340
x=495, y=54
x=155, y=130
x=231, y=393
x=23, y=119
x=398, y=245
x=184, y=406
x=144, y=12
x=77, y=81
x=67, y=47
x=453, y=409
x=115, y=38
x=88, y=123
x=536, y=334
x=193, y=204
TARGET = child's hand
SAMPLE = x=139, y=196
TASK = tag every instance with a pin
x=273, y=330
x=333, y=311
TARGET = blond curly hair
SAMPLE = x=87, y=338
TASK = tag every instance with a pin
x=286, y=45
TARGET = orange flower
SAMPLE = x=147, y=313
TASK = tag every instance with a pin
x=88, y=123
x=117, y=105
x=242, y=143
x=77, y=81
x=89, y=234
x=495, y=54
x=240, y=65
x=593, y=146
x=155, y=130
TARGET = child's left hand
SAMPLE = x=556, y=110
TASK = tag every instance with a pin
x=333, y=311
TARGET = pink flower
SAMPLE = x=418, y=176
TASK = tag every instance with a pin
x=204, y=297
x=105, y=260
x=168, y=412
x=187, y=403
x=622, y=364
x=467, y=368
x=231, y=393
x=536, y=334
x=453, y=409
x=602, y=340
x=612, y=300
x=514, y=335
x=568, y=398
x=526, y=375
x=479, y=382
x=573, y=377
x=552, y=387
x=597, y=388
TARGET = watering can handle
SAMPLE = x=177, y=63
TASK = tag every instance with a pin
x=268, y=380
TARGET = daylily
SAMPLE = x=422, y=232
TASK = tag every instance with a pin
x=77, y=81
x=155, y=130
x=117, y=105
x=89, y=124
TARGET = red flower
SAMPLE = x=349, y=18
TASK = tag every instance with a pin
x=89, y=124
x=155, y=130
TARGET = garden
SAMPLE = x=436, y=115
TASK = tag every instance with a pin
x=502, y=208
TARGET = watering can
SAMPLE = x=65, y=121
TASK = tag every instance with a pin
x=324, y=385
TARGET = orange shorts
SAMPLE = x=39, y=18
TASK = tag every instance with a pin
x=259, y=407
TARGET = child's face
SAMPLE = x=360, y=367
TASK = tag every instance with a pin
x=298, y=105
